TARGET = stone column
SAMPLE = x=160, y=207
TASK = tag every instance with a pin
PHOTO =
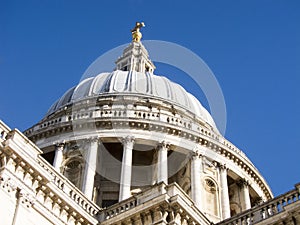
x=224, y=192
x=162, y=162
x=90, y=167
x=196, y=185
x=125, y=181
x=58, y=158
x=245, y=196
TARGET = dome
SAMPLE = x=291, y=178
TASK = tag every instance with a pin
x=124, y=133
x=134, y=83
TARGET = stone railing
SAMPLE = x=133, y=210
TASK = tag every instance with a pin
x=68, y=188
x=265, y=210
x=120, y=208
x=150, y=110
x=132, y=202
x=152, y=201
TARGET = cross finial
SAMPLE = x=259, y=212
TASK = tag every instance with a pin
x=136, y=34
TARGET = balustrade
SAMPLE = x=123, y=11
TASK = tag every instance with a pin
x=121, y=207
x=265, y=210
x=68, y=188
x=157, y=194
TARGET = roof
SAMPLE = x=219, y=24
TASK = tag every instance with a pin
x=132, y=82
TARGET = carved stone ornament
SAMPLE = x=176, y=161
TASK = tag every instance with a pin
x=128, y=140
x=164, y=144
x=7, y=184
x=25, y=198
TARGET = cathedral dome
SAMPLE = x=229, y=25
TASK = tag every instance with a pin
x=120, y=134
x=134, y=83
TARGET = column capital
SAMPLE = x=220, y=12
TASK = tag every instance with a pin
x=128, y=140
x=25, y=198
x=198, y=151
x=221, y=166
x=73, y=144
x=8, y=184
x=197, y=154
x=60, y=144
x=164, y=144
x=92, y=139
x=243, y=182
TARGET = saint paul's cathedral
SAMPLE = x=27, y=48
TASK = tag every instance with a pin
x=131, y=147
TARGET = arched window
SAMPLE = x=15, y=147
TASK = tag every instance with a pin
x=211, y=197
x=73, y=171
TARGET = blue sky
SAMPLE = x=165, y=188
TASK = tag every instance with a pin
x=253, y=48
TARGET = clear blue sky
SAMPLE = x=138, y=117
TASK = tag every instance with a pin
x=253, y=48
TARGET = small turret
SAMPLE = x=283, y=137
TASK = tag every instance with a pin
x=135, y=57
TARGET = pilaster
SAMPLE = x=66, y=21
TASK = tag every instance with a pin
x=22, y=198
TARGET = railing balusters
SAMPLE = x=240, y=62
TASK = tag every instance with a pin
x=265, y=210
x=65, y=185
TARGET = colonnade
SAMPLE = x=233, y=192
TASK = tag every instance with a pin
x=126, y=169
x=197, y=171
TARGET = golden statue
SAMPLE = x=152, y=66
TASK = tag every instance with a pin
x=136, y=34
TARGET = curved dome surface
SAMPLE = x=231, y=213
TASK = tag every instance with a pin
x=132, y=82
